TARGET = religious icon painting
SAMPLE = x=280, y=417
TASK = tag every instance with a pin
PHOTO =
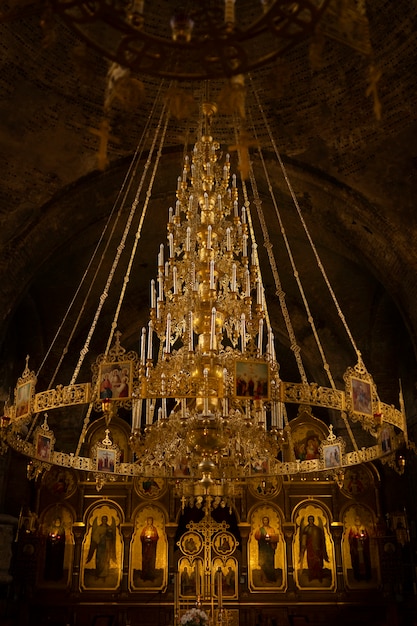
x=357, y=481
x=149, y=487
x=149, y=551
x=187, y=581
x=385, y=439
x=252, y=380
x=115, y=381
x=266, y=551
x=44, y=441
x=58, y=547
x=102, y=553
x=224, y=543
x=43, y=447
x=313, y=550
x=24, y=397
x=361, y=397
x=225, y=577
x=265, y=487
x=60, y=482
x=359, y=548
x=191, y=543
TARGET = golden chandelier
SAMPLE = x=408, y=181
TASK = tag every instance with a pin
x=205, y=399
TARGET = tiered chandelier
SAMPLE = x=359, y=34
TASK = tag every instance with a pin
x=204, y=392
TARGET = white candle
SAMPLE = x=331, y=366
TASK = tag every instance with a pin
x=233, y=285
x=209, y=231
x=213, y=329
x=153, y=294
x=143, y=346
x=245, y=245
x=174, y=280
x=188, y=239
x=160, y=285
x=243, y=331
x=161, y=256
x=258, y=292
x=137, y=413
x=260, y=335
x=247, y=284
x=150, y=335
x=191, y=334
x=211, y=274
x=228, y=240
x=168, y=335
x=171, y=245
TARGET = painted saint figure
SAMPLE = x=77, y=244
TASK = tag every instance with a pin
x=54, y=551
x=267, y=543
x=149, y=539
x=360, y=551
x=103, y=545
x=313, y=543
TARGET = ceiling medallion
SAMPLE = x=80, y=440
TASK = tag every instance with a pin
x=204, y=41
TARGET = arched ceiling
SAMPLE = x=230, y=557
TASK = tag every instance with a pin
x=354, y=176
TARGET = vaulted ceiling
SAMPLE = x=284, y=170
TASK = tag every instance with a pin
x=354, y=174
